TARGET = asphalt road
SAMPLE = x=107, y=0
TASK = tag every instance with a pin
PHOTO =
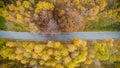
x=61, y=37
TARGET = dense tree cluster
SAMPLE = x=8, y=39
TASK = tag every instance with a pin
x=60, y=54
x=66, y=15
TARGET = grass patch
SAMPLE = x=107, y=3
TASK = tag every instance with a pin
x=102, y=25
x=18, y=27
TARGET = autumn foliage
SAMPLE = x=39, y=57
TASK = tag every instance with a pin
x=56, y=54
x=66, y=15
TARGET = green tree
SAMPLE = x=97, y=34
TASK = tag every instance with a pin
x=2, y=23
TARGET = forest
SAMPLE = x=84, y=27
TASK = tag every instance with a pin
x=54, y=16
x=68, y=15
